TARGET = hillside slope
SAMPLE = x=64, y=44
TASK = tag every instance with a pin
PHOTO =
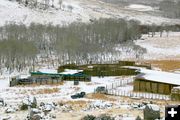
x=82, y=10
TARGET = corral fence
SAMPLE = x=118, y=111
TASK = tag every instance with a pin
x=112, y=89
x=37, y=81
x=119, y=83
x=138, y=95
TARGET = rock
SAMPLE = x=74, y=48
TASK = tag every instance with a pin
x=30, y=101
x=55, y=104
x=138, y=106
x=100, y=105
x=42, y=104
x=138, y=118
x=48, y=107
x=53, y=116
x=104, y=117
x=10, y=110
x=5, y=118
x=151, y=112
x=2, y=102
x=88, y=117
x=36, y=111
x=36, y=117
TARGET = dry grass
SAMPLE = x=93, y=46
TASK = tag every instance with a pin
x=36, y=85
x=166, y=65
x=90, y=83
x=75, y=88
x=76, y=105
x=100, y=97
x=47, y=91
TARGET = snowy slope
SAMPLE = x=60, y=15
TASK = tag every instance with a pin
x=83, y=10
x=12, y=11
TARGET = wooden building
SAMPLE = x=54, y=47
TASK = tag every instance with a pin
x=47, y=76
x=156, y=82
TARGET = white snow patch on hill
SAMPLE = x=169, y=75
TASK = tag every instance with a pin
x=140, y=7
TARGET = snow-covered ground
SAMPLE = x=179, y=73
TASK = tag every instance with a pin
x=140, y=7
x=14, y=96
x=14, y=12
x=76, y=10
x=65, y=91
x=165, y=47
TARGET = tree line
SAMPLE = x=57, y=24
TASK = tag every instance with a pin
x=44, y=4
x=80, y=43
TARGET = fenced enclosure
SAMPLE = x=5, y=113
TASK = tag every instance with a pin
x=138, y=94
x=33, y=80
x=119, y=83
x=112, y=89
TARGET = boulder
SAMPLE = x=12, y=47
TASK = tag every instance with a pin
x=10, y=110
x=36, y=117
x=104, y=117
x=151, y=112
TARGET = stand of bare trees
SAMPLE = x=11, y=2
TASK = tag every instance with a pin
x=77, y=43
x=44, y=4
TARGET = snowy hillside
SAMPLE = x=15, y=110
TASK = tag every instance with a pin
x=14, y=12
x=76, y=10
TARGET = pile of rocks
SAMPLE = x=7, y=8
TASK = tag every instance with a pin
x=43, y=112
x=66, y=108
x=99, y=105
x=11, y=109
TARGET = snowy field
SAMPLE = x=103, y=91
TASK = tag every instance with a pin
x=165, y=47
x=65, y=91
x=71, y=109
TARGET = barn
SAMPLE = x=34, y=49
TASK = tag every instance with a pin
x=156, y=81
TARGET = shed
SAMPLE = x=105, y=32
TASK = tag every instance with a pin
x=156, y=81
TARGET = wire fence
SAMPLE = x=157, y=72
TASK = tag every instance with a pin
x=112, y=90
x=138, y=95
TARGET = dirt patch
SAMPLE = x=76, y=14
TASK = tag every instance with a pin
x=166, y=65
x=47, y=91
x=99, y=96
x=36, y=85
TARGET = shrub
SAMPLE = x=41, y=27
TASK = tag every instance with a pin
x=88, y=117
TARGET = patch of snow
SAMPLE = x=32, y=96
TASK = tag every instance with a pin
x=4, y=84
x=72, y=7
x=140, y=7
x=52, y=71
x=71, y=72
